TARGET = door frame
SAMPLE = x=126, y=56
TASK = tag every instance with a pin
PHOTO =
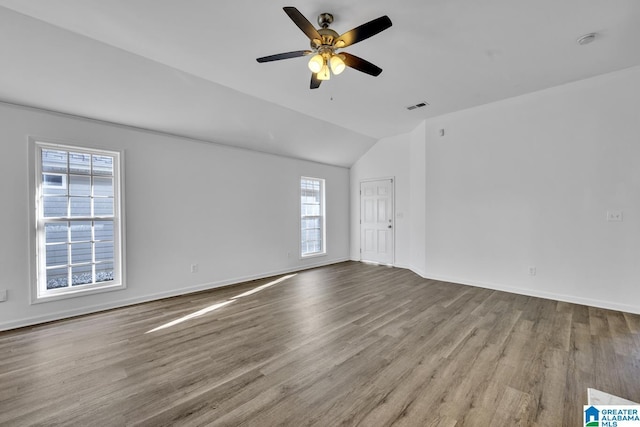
x=393, y=216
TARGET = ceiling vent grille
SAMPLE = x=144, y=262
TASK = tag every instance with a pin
x=419, y=105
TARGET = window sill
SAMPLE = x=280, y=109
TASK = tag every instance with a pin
x=73, y=293
x=314, y=255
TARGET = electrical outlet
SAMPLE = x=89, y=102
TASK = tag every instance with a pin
x=3, y=295
x=194, y=268
x=614, y=216
x=532, y=271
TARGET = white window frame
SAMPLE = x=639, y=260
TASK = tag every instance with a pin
x=323, y=222
x=39, y=291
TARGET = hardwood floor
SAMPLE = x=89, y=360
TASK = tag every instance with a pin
x=349, y=344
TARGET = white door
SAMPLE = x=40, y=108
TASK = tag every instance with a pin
x=376, y=221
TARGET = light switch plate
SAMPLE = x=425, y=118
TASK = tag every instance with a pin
x=3, y=295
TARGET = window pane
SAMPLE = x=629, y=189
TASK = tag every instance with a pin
x=79, y=185
x=55, y=232
x=54, y=161
x=311, y=235
x=81, y=275
x=102, y=165
x=54, y=184
x=79, y=163
x=53, y=191
x=53, y=179
x=54, y=206
x=104, y=272
x=57, y=278
x=310, y=210
x=311, y=247
x=104, y=251
x=80, y=206
x=57, y=255
x=103, y=206
x=311, y=197
x=103, y=186
x=80, y=253
x=81, y=231
x=103, y=230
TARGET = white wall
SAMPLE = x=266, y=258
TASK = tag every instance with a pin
x=418, y=190
x=389, y=158
x=234, y=212
x=527, y=182
x=401, y=157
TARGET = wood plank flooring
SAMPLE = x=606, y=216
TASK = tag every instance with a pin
x=349, y=344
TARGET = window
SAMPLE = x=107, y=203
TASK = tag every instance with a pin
x=78, y=221
x=312, y=223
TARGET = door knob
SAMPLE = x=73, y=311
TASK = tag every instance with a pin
x=389, y=226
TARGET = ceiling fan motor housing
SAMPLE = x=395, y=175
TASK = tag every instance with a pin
x=328, y=36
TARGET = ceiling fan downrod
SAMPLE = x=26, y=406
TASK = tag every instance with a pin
x=325, y=19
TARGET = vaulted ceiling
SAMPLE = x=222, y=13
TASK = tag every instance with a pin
x=189, y=68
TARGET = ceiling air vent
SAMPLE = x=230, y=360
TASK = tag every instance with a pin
x=419, y=105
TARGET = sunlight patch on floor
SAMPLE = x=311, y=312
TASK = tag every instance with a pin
x=259, y=288
x=220, y=304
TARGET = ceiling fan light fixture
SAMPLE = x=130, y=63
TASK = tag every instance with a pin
x=324, y=73
x=316, y=63
x=337, y=64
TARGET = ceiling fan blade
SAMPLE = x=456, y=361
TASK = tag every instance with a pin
x=363, y=32
x=361, y=64
x=315, y=81
x=285, y=55
x=302, y=23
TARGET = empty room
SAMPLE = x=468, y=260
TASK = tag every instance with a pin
x=244, y=213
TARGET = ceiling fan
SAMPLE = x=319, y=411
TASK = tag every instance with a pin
x=325, y=43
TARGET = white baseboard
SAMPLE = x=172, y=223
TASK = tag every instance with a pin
x=610, y=305
x=30, y=321
x=20, y=323
x=415, y=270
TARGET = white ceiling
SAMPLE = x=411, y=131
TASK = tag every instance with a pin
x=188, y=67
